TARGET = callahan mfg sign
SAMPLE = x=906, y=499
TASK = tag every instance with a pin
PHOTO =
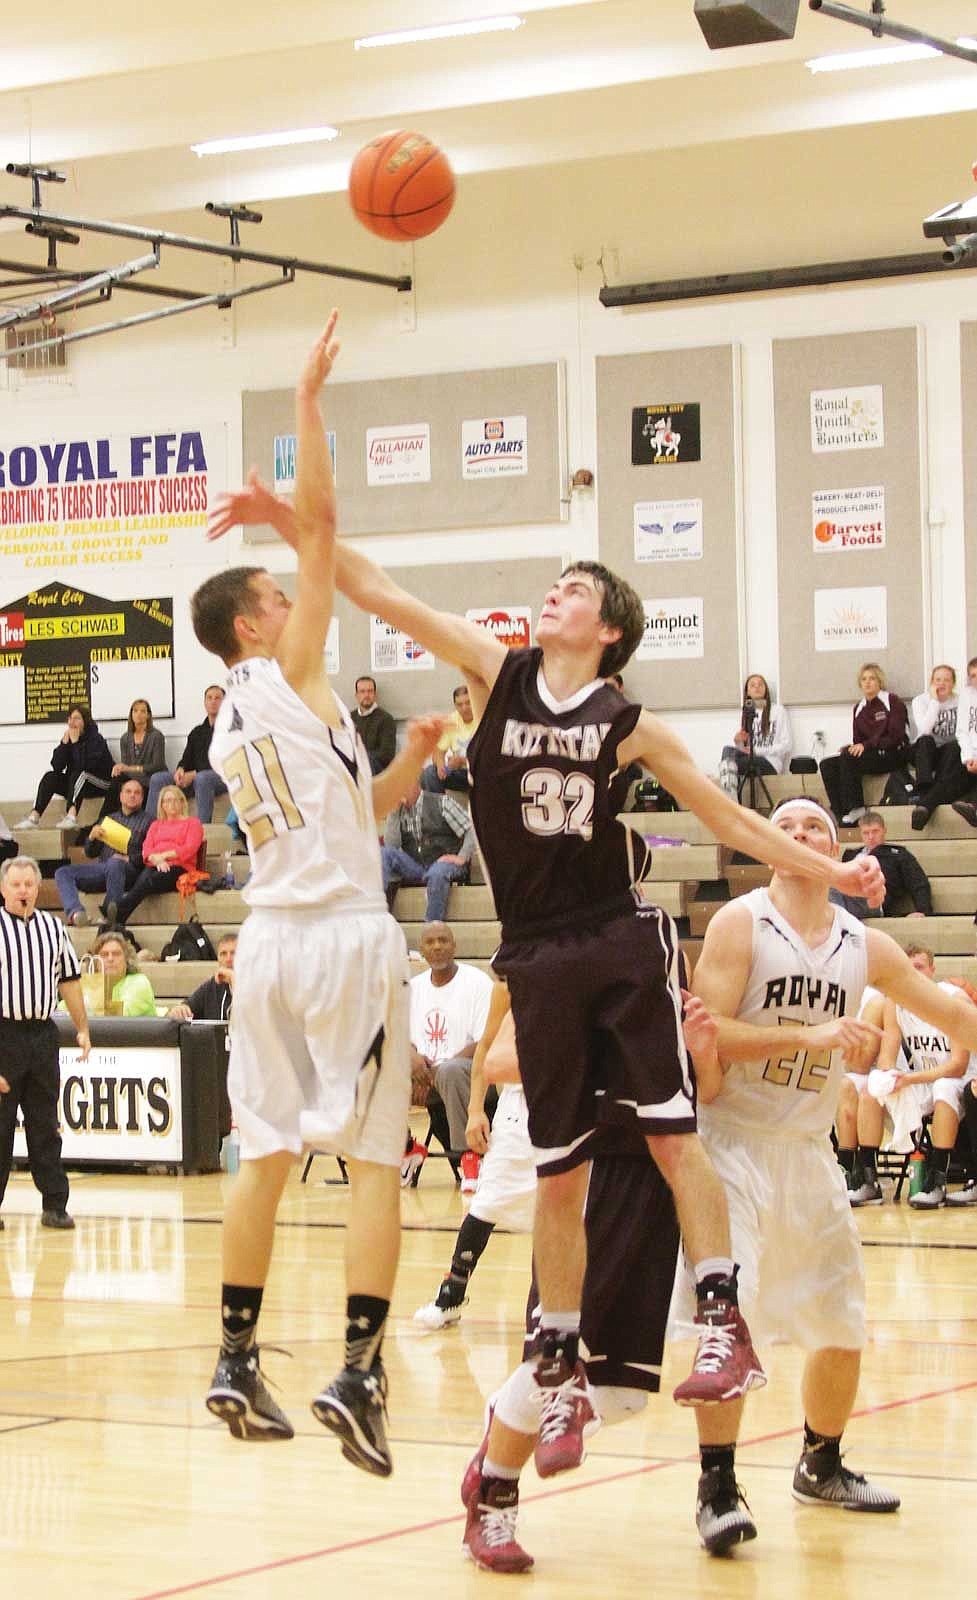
x=399, y=454
x=848, y=519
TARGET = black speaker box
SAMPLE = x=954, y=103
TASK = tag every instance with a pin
x=726, y=23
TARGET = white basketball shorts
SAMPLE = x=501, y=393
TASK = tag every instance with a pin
x=793, y=1235
x=506, y=1193
x=319, y=1035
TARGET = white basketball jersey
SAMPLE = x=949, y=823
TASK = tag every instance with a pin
x=794, y=1095
x=302, y=792
x=925, y=1046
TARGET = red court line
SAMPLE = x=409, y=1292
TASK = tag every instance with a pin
x=547, y=1494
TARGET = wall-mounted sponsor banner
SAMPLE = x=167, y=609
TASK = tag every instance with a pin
x=511, y=625
x=399, y=454
x=393, y=651
x=663, y=435
x=847, y=419
x=494, y=447
x=137, y=498
x=285, y=448
x=850, y=619
x=61, y=644
x=668, y=530
x=848, y=519
x=673, y=629
x=119, y=1105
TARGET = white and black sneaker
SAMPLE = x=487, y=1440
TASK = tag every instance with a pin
x=354, y=1407
x=931, y=1196
x=848, y=1491
x=967, y=1196
x=238, y=1396
x=869, y=1193
x=722, y=1515
x=443, y=1312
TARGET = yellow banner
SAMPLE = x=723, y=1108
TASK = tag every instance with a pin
x=111, y=622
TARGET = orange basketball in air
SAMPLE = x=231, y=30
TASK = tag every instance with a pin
x=401, y=186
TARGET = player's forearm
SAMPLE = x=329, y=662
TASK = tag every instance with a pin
x=747, y=1041
x=477, y=1089
x=74, y=1002
x=709, y=1073
x=315, y=488
x=390, y=786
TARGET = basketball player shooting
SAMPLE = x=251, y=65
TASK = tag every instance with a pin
x=782, y=973
x=319, y=1046
x=592, y=972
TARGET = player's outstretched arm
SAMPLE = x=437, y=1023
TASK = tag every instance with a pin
x=655, y=745
x=451, y=638
x=477, y=1131
x=890, y=969
x=390, y=786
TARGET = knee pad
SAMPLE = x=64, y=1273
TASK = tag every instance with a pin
x=617, y=1405
x=517, y=1402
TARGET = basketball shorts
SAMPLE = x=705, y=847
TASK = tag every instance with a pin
x=793, y=1235
x=598, y=1017
x=506, y=1193
x=904, y=1110
x=632, y=1248
x=319, y=1035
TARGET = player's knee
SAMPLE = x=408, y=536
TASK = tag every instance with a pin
x=675, y=1154
x=558, y=1189
x=517, y=1402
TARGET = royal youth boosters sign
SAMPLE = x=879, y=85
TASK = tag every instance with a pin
x=61, y=644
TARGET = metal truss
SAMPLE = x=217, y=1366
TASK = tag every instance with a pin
x=876, y=24
x=82, y=289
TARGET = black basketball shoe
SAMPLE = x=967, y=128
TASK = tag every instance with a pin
x=849, y=1491
x=722, y=1515
x=354, y=1407
x=239, y=1397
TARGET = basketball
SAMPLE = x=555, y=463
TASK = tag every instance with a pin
x=401, y=186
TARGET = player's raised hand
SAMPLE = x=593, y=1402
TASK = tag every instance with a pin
x=321, y=357
x=863, y=879
x=423, y=734
x=250, y=507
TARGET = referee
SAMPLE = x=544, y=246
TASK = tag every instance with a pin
x=37, y=960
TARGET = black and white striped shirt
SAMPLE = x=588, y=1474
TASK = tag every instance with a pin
x=35, y=956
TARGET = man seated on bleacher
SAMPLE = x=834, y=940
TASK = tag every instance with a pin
x=448, y=1010
x=211, y=1000
x=115, y=861
x=904, y=877
x=194, y=773
x=427, y=842
x=932, y=1085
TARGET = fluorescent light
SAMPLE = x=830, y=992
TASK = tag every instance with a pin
x=444, y=30
x=889, y=56
x=264, y=141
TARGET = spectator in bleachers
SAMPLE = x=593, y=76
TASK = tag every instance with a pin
x=902, y=872
x=194, y=774
x=142, y=753
x=376, y=727
x=769, y=724
x=111, y=867
x=130, y=986
x=449, y=769
x=171, y=846
x=211, y=1000
x=428, y=841
x=878, y=744
x=8, y=844
x=935, y=752
x=448, y=1010
x=964, y=802
x=81, y=768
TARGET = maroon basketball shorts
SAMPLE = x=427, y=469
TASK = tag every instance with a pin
x=598, y=1016
x=632, y=1250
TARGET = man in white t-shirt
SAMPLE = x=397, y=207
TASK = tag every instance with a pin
x=448, y=1009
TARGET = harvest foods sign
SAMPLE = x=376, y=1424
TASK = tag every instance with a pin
x=848, y=519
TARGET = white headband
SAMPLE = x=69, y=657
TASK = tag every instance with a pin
x=807, y=806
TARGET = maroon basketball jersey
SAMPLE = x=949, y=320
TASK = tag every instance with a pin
x=546, y=791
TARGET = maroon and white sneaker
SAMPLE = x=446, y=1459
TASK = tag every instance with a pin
x=726, y=1364
x=567, y=1416
x=490, y=1531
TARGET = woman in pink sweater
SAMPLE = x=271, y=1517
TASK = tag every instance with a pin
x=171, y=847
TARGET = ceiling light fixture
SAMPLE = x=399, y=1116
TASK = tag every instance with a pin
x=888, y=56
x=264, y=141
x=444, y=30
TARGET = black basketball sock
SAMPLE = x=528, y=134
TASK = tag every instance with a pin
x=557, y=1343
x=718, y=1286
x=366, y=1317
x=822, y=1452
x=239, y=1317
x=846, y=1159
x=867, y=1157
x=721, y=1456
x=473, y=1236
x=939, y=1163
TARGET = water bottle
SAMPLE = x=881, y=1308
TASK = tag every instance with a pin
x=227, y=881
x=917, y=1172
x=818, y=747
x=230, y=1154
